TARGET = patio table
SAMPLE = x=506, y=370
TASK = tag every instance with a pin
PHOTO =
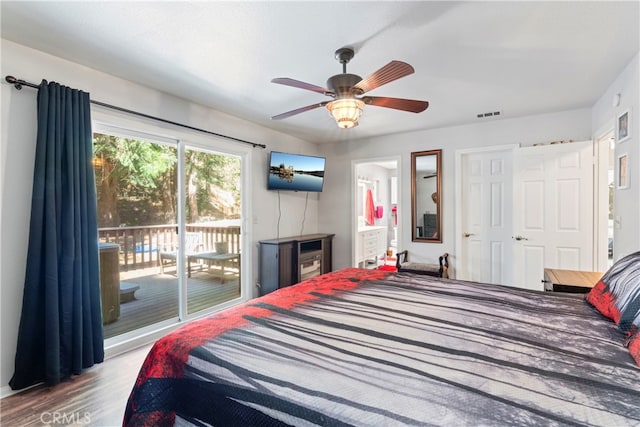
x=215, y=259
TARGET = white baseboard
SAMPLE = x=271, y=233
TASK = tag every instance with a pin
x=5, y=391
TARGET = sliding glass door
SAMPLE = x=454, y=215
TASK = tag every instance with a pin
x=169, y=229
x=212, y=228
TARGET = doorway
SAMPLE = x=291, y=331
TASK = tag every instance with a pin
x=169, y=228
x=376, y=212
x=605, y=183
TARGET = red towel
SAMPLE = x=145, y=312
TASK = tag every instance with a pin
x=379, y=212
x=369, y=210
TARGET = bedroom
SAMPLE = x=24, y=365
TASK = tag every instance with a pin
x=327, y=212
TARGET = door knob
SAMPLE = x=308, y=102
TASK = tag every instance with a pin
x=467, y=234
x=519, y=238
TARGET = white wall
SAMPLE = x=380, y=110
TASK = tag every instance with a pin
x=17, y=158
x=577, y=125
x=569, y=125
x=604, y=115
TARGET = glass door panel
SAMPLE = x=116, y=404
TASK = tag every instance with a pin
x=213, y=220
x=137, y=221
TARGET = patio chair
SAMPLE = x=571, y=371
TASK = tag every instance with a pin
x=193, y=245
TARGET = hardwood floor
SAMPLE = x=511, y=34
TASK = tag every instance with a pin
x=96, y=398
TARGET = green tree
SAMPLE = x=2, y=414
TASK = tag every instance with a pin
x=130, y=169
x=137, y=183
x=209, y=177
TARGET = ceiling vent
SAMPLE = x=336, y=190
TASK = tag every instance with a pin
x=489, y=114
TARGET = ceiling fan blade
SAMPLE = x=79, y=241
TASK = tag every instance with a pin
x=299, y=110
x=390, y=72
x=410, y=105
x=302, y=85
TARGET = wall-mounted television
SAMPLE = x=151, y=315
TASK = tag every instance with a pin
x=295, y=172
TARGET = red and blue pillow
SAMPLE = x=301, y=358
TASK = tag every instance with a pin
x=617, y=297
x=633, y=344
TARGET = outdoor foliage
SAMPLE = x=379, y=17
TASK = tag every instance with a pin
x=136, y=183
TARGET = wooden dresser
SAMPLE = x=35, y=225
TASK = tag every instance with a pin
x=289, y=260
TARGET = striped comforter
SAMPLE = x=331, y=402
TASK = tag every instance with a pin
x=360, y=347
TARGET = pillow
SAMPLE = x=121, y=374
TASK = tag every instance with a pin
x=634, y=347
x=626, y=293
x=600, y=297
x=617, y=293
x=630, y=316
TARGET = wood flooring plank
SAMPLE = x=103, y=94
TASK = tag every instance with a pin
x=97, y=397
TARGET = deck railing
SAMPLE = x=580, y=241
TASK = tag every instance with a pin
x=139, y=246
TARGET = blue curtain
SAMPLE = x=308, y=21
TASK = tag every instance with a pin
x=61, y=325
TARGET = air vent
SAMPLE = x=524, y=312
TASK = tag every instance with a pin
x=488, y=114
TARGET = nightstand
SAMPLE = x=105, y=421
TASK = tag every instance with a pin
x=573, y=281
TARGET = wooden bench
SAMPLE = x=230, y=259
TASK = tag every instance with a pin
x=436, y=270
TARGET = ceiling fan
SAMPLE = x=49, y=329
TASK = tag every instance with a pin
x=346, y=90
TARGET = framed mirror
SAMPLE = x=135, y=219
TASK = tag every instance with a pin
x=426, y=185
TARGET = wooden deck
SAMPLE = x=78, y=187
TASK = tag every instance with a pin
x=157, y=298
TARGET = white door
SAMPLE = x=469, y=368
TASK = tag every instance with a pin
x=486, y=181
x=552, y=210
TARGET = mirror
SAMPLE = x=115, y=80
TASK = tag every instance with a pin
x=426, y=196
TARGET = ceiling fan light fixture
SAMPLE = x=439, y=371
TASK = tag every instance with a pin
x=344, y=88
x=346, y=111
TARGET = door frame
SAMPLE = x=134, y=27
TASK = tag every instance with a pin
x=123, y=125
x=601, y=196
x=458, y=186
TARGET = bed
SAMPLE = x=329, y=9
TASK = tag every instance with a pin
x=375, y=348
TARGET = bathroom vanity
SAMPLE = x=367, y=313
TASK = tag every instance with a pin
x=371, y=244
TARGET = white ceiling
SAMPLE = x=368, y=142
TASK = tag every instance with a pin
x=520, y=58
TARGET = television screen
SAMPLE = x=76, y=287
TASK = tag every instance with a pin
x=295, y=172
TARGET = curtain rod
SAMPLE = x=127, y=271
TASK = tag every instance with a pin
x=19, y=83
